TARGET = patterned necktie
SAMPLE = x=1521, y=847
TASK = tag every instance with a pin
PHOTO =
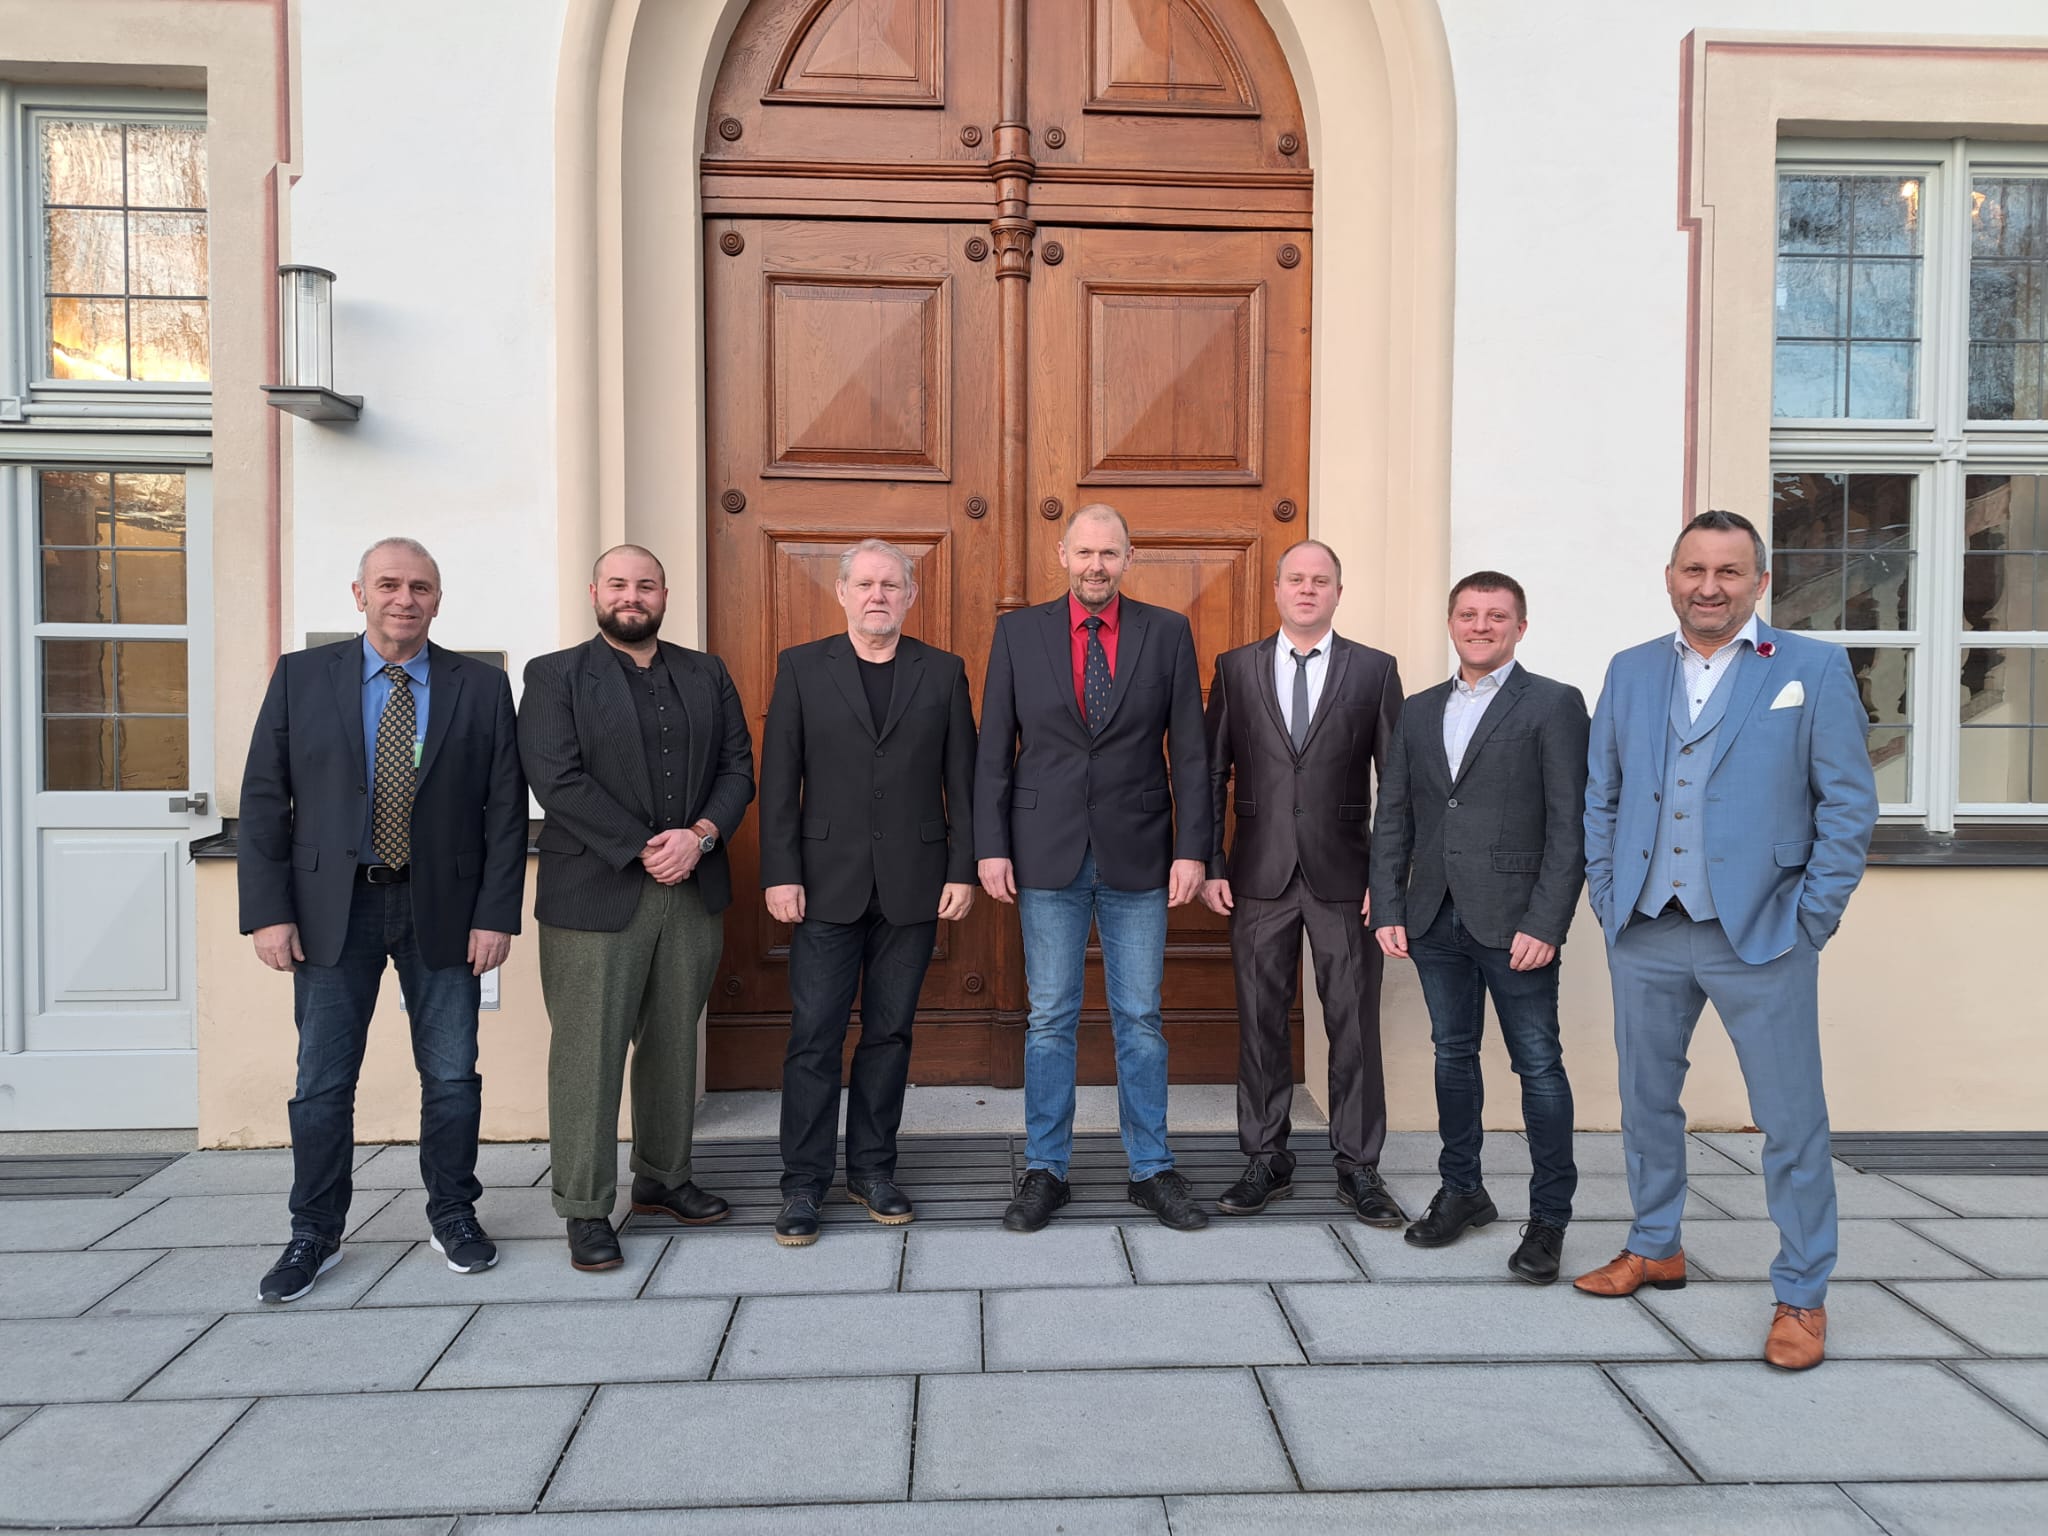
x=1095, y=673
x=1297, y=714
x=391, y=805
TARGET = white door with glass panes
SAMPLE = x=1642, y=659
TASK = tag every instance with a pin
x=111, y=754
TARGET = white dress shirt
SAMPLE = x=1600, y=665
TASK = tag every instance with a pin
x=1466, y=706
x=1703, y=675
x=1318, y=669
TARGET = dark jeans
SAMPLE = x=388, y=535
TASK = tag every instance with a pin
x=1457, y=972
x=827, y=963
x=332, y=1005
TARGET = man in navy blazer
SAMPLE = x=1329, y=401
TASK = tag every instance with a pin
x=1080, y=821
x=1729, y=807
x=383, y=817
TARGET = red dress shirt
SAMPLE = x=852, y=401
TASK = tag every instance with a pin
x=1110, y=617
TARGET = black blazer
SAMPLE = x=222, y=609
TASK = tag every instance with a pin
x=1310, y=811
x=580, y=741
x=848, y=811
x=304, y=795
x=1506, y=840
x=1045, y=790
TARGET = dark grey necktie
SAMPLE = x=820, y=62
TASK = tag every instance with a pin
x=1297, y=714
x=1095, y=673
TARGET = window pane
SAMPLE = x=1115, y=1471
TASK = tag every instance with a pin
x=1806, y=591
x=78, y=754
x=153, y=754
x=2008, y=297
x=1884, y=678
x=82, y=163
x=149, y=511
x=1806, y=379
x=166, y=166
x=78, y=677
x=1884, y=299
x=1845, y=551
x=88, y=339
x=2004, y=725
x=78, y=586
x=83, y=251
x=167, y=253
x=2005, y=560
x=152, y=677
x=1881, y=386
x=75, y=506
x=1849, y=264
x=169, y=343
x=1810, y=297
x=149, y=587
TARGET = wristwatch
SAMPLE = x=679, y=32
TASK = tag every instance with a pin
x=708, y=841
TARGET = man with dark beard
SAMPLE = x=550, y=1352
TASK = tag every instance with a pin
x=638, y=752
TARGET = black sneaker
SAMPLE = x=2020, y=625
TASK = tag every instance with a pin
x=463, y=1244
x=1167, y=1196
x=593, y=1245
x=1037, y=1198
x=1450, y=1212
x=797, y=1225
x=1536, y=1258
x=304, y=1260
x=1261, y=1182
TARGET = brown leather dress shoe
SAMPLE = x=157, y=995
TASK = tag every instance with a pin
x=1626, y=1273
x=1798, y=1338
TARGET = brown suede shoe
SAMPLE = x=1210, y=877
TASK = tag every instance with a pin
x=1798, y=1337
x=1626, y=1273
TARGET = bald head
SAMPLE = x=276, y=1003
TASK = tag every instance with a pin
x=629, y=595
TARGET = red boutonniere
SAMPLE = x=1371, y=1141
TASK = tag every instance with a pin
x=1766, y=649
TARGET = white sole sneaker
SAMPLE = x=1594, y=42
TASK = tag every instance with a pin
x=460, y=1269
x=326, y=1264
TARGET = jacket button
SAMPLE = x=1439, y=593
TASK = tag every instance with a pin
x=1659, y=798
x=1093, y=755
x=1299, y=811
x=1646, y=853
x=881, y=752
x=878, y=837
x=1297, y=768
x=348, y=853
x=1452, y=802
x=878, y=794
x=360, y=790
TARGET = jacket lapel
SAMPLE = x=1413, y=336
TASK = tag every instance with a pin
x=1425, y=720
x=1266, y=658
x=1747, y=683
x=1510, y=696
x=691, y=687
x=1333, y=680
x=444, y=692
x=621, y=727
x=1130, y=646
x=345, y=670
x=844, y=670
x=908, y=679
x=1059, y=650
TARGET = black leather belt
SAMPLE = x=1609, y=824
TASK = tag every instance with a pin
x=384, y=874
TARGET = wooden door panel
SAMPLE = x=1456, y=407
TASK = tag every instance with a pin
x=859, y=373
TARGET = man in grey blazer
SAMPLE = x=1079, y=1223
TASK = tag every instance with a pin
x=1729, y=807
x=1478, y=859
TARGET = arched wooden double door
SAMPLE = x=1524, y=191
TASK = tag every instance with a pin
x=970, y=263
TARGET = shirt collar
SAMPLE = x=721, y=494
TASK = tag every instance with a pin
x=1324, y=645
x=416, y=669
x=1111, y=616
x=1496, y=677
x=1746, y=633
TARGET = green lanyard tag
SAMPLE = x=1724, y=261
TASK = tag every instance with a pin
x=417, y=743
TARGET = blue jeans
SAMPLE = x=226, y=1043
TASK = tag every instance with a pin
x=332, y=1005
x=1456, y=972
x=1132, y=927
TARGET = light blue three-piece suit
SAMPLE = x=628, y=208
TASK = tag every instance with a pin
x=1754, y=818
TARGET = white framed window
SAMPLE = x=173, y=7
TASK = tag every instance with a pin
x=105, y=265
x=1909, y=457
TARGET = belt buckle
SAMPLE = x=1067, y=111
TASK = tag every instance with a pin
x=383, y=874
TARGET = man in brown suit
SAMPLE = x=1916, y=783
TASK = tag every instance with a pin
x=1302, y=718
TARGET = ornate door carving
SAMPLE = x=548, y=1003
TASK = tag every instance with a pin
x=969, y=264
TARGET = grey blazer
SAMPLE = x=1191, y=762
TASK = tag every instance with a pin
x=1505, y=840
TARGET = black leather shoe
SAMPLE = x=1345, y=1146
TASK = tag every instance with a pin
x=1167, y=1196
x=1261, y=1182
x=1450, y=1212
x=796, y=1226
x=1536, y=1258
x=1366, y=1193
x=593, y=1245
x=686, y=1203
x=1037, y=1198
x=885, y=1202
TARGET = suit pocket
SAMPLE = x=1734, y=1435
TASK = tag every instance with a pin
x=305, y=856
x=554, y=840
x=1792, y=855
x=1352, y=812
x=817, y=826
x=1518, y=863
x=468, y=863
x=1247, y=807
x=1154, y=800
x=932, y=832
x=1022, y=799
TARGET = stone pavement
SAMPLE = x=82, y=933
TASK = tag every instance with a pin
x=1292, y=1372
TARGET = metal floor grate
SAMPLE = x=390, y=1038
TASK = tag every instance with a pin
x=1943, y=1151
x=77, y=1176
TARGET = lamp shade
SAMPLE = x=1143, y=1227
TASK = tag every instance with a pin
x=305, y=327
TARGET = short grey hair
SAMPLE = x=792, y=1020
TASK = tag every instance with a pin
x=1725, y=522
x=878, y=547
x=411, y=546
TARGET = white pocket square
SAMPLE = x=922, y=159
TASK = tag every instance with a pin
x=1791, y=696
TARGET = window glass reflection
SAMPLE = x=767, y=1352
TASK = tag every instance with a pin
x=1848, y=299
x=2008, y=298
x=1844, y=551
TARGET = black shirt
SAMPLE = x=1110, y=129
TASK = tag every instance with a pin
x=879, y=679
x=664, y=736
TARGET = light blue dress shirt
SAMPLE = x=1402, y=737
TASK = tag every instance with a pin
x=376, y=694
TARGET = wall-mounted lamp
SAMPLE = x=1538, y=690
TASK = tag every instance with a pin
x=305, y=367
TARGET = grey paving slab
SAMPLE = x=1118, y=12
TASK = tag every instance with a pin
x=1865, y=1322
x=741, y=1442
x=1744, y=1148
x=585, y=1341
x=283, y=1461
x=2000, y=1317
x=223, y=1221
x=1945, y=1509
x=2012, y=1250
x=533, y=1269
x=39, y=1226
x=1786, y=1510
x=1503, y=1154
x=2022, y=1385
x=879, y=1333
x=88, y=1359
x=499, y=1165
x=753, y=1264
x=1261, y=1248
x=264, y=1172
x=1339, y=1323
x=1744, y=1422
x=64, y=1284
x=1460, y=1426
x=1007, y=1517
x=1982, y=1194
x=1062, y=1433
x=1147, y=1325
x=978, y=1258
x=9, y=1417
x=103, y=1462
x=283, y=1353
x=1598, y=1154
x=1476, y=1255
x=503, y=1212
x=1870, y=1250
x=1599, y=1198
x=424, y=1525
x=225, y=1280
x=1856, y=1194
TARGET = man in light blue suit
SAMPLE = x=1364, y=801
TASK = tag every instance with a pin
x=1729, y=807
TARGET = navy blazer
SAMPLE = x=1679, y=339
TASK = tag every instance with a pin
x=304, y=790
